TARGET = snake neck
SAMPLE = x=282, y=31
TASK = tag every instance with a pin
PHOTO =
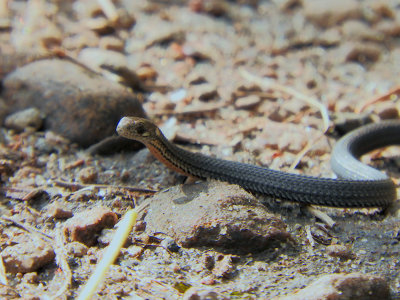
x=161, y=152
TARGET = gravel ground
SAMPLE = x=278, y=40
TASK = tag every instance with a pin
x=234, y=79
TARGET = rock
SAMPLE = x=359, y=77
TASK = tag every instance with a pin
x=361, y=52
x=208, y=260
x=112, y=43
x=328, y=13
x=95, y=58
x=170, y=244
x=388, y=28
x=27, y=256
x=386, y=111
x=31, y=277
x=88, y=175
x=358, y=30
x=57, y=211
x=247, y=102
x=77, y=249
x=214, y=214
x=85, y=226
x=202, y=293
x=351, y=286
x=205, y=91
x=80, y=105
x=340, y=251
x=24, y=119
x=224, y=266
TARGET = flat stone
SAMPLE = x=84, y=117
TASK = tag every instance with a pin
x=214, y=214
x=327, y=13
x=78, y=104
x=27, y=256
x=344, y=287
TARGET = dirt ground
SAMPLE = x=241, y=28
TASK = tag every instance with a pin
x=248, y=81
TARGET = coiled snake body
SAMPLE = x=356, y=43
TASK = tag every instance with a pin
x=359, y=185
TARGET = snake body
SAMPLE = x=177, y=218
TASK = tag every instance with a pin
x=359, y=185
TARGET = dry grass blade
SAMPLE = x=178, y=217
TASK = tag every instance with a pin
x=61, y=258
x=121, y=234
x=3, y=277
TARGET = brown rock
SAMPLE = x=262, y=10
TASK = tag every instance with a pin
x=361, y=52
x=202, y=293
x=78, y=104
x=247, y=102
x=340, y=251
x=327, y=13
x=386, y=110
x=57, y=211
x=353, y=286
x=205, y=91
x=77, y=249
x=88, y=175
x=214, y=214
x=86, y=225
x=27, y=256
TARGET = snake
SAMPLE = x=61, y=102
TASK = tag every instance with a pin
x=356, y=185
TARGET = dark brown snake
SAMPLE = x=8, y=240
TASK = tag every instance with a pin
x=359, y=185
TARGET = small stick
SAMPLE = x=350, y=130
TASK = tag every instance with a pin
x=78, y=186
x=386, y=96
x=321, y=215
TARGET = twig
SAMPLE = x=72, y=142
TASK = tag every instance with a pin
x=309, y=236
x=121, y=234
x=61, y=258
x=386, y=96
x=303, y=152
x=29, y=229
x=321, y=215
x=77, y=186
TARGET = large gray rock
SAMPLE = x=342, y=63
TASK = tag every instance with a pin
x=77, y=103
x=214, y=214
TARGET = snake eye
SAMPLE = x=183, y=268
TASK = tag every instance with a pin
x=140, y=129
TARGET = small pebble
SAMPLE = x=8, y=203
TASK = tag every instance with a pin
x=77, y=249
x=247, y=102
x=88, y=175
x=56, y=211
x=170, y=244
x=31, y=277
x=340, y=251
x=24, y=119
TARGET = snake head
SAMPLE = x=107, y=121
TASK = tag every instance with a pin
x=138, y=129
